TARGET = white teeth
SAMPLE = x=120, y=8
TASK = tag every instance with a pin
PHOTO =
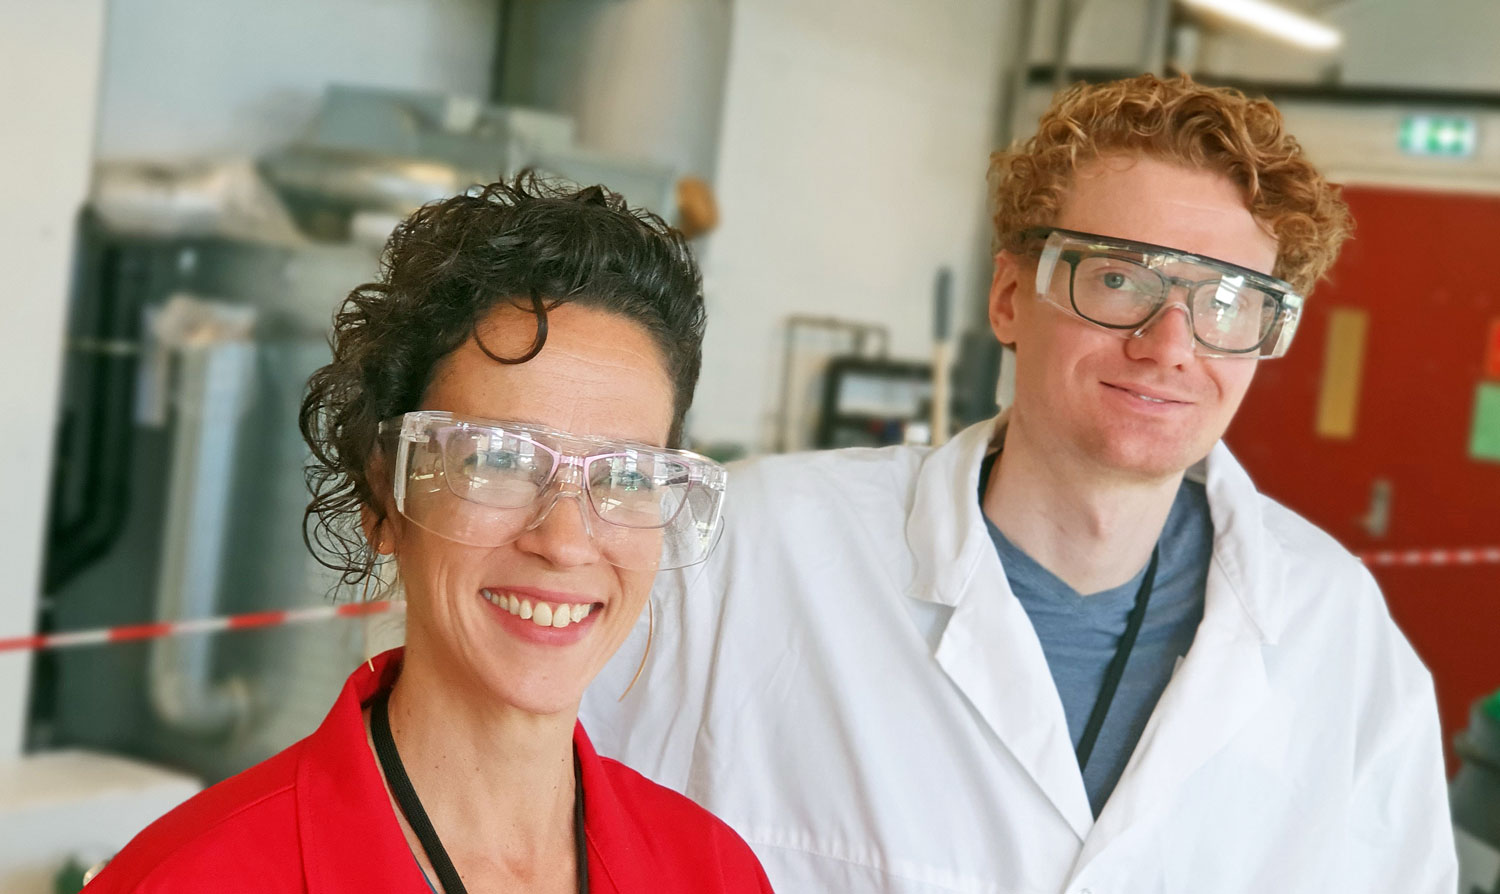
x=542, y=614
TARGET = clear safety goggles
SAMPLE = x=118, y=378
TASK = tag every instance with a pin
x=484, y=483
x=1126, y=286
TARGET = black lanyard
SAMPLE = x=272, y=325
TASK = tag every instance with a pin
x=411, y=805
x=1116, y=669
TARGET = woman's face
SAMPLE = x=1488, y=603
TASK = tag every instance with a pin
x=599, y=374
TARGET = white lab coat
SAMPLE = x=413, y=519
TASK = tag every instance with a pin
x=851, y=684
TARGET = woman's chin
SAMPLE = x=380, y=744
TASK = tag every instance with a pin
x=543, y=697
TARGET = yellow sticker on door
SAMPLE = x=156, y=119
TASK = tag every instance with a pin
x=1343, y=367
x=1484, y=443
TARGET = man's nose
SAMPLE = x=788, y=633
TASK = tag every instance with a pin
x=1167, y=337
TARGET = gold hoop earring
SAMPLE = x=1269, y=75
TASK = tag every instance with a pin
x=650, y=635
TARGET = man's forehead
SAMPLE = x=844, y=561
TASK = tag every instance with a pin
x=1147, y=200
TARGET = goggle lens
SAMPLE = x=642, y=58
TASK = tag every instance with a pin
x=484, y=484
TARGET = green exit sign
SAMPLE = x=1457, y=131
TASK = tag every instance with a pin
x=1451, y=136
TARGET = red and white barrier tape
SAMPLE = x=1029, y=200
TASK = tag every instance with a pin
x=1433, y=557
x=199, y=625
x=1384, y=559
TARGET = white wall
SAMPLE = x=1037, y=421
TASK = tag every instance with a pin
x=49, y=69
x=853, y=150
x=189, y=77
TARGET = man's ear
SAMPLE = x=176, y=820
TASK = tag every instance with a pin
x=1004, y=287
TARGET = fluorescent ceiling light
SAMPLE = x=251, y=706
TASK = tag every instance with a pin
x=1275, y=21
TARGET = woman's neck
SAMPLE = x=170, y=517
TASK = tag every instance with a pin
x=1093, y=532
x=496, y=782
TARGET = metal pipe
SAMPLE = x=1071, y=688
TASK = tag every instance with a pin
x=214, y=382
x=1061, y=37
x=1158, y=30
x=942, y=356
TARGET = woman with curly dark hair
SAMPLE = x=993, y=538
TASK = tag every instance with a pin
x=499, y=420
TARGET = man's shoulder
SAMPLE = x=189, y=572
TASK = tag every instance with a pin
x=840, y=460
x=1304, y=544
x=829, y=476
x=212, y=840
x=1332, y=596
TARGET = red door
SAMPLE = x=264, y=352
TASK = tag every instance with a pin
x=1424, y=268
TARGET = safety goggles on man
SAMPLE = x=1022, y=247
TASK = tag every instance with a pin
x=484, y=483
x=1126, y=286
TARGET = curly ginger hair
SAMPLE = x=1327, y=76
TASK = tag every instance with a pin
x=1180, y=121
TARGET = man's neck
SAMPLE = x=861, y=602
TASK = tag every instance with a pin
x=1093, y=530
x=496, y=781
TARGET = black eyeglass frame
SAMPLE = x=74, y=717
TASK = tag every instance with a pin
x=1273, y=343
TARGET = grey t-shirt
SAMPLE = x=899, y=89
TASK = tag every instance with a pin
x=1079, y=634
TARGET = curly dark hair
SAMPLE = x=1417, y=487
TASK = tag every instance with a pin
x=529, y=241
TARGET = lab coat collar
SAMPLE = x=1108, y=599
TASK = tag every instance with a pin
x=1222, y=683
x=352, y=840
x=945, y=528
x=948, y=538
x=990, y=650
x=1253, y=562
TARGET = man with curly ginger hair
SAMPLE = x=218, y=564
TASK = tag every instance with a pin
x=1074, y=649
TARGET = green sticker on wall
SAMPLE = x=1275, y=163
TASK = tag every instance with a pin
x=1485, y=442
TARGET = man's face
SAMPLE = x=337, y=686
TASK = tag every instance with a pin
x=1138, y=408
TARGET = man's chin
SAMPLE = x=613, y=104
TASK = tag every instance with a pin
x=1149, y=460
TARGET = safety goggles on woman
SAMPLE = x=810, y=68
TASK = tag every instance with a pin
x=483, y=482
x=1126, y=286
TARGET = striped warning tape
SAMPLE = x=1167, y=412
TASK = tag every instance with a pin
x=157, y=630
x=1478, y=556
x=1383, y=558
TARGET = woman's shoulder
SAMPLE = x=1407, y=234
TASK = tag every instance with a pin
x=226, y=838
x=699, y=843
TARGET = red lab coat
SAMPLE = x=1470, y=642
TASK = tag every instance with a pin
x=316, y=819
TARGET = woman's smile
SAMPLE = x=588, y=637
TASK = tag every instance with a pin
x=548, y=618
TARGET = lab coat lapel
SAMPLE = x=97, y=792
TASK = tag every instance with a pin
x=991, y=653
x=989, y=649
x=1222, y=682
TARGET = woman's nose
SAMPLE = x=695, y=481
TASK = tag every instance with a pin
x=562, y=534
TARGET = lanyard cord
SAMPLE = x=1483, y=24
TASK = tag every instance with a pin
x=1117, y=664
x=411, y=805
x=1116, y=670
